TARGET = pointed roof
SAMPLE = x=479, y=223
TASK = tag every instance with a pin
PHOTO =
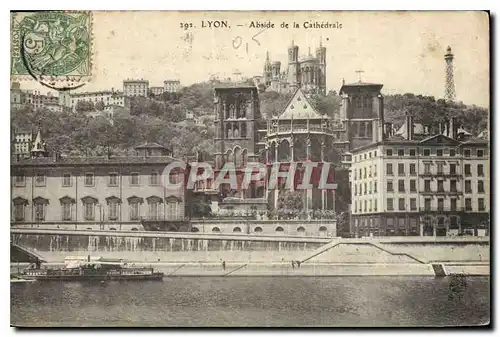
x=439, y=140
x=463, y=131
x=353, y=86
x=299, y=107
x=150, y=145
x=38, y=144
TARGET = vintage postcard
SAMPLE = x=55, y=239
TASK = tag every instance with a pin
x=250, y=169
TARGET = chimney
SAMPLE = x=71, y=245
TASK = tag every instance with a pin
x=388, y=130
x=453, y=129
x=440, y=128
x=409, y=127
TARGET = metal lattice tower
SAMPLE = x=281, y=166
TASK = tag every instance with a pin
x=449, y=90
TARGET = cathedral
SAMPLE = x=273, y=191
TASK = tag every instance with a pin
x=307, y=73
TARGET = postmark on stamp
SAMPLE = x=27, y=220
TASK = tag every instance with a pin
x=53, y=48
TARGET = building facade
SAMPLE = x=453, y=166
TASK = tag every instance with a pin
x=426, y=184
x=113, y=193
x=21, y=98
x=307, y=73
x=133, y=87
x=106, y=97
x=157, y=91
x=172, y=85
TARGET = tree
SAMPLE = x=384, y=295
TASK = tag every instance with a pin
x=99, y=105
x=290, y=204
x=272, y=103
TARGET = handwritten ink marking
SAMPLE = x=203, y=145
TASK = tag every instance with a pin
x=240, y=41
x=254, y=37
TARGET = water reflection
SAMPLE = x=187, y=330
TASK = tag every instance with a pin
x=269, y=301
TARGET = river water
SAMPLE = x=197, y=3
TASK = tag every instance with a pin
x=253, y=301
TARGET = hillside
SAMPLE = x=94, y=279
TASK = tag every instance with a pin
x=156, y=119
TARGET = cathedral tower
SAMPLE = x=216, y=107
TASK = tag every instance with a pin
x=321, y=57
x=293, y=67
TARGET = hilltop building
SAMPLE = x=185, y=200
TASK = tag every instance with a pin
x=307, y=73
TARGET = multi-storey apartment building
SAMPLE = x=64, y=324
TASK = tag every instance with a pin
x=107, y=97
x=133, y=87
x=172, y=85
x=157, y=91
x=424, y=185
x=20, y=98
x=121, y=193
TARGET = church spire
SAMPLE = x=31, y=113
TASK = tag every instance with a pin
x=38, y=148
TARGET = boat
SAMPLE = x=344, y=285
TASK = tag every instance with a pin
x=17, y=279
x=90, y=269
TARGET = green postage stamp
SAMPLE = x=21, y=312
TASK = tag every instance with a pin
x=52, y=47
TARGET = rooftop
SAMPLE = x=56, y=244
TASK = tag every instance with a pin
x=102, y=160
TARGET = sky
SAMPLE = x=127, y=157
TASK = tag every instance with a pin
x=404, y=51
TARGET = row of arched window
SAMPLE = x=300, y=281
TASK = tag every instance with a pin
x=259, y=229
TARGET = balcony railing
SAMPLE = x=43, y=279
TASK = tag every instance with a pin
x=440, y=175
x=440, y=192
x=441, y=210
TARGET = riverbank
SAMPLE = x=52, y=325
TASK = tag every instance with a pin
x=305, y=269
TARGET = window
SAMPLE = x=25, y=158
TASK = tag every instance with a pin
x=453, y=185
x=89, y=179
x=440, y=168
x=216, y=229
x=427, y=152
x=375, y=187
x=374, y=170
x=412, y=152
x=134, y=210
x=360, y=174
x=153, y=178
x=480, y=170
x=389, y=186
x=40, y=179
x=355, y=174
x=113, y=210
x=370, y=171
x=452, y=152
x=113, y=179
x=401, y=185
x=427, y=185
x=413, y=185
x=389, y=168
x=365, y=209
x=370, y=192
x=427, y=204
x=439, y=152
x=66, y=211
x=467, y=170
x=89, y=211
x=467, y=153
x=401, y=152
x=19, y=212
x=370, y=209
x=20, y=180
x=134, y=178
x=480, y=186
x=440, y=186
x=453, y=169
x=440, y=204
x=388, y=152
x=401, y=169
x=480, y=204
x=401, y=203
x=39, y=212
x=390, y=206
x=375, y=205
x=413, y=169
x=427, y=168
x=468, y=186
x=480, y=153
x=365, y=189
x=453, y=204
x=364, y=156
x=66, y=179
x=468, y=204
x=364, y=169
x=413, y=204
x=153, y=210
x=355, y=189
